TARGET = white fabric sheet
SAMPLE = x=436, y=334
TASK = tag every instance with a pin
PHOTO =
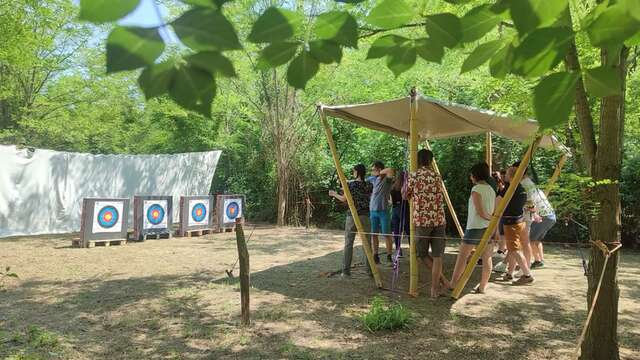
x=41, y=192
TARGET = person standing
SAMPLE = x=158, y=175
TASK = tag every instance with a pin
x=482, y=203
x=382, y=180
x=399, y=212
x=360, y=192
x=425, y=191
x=514, y=228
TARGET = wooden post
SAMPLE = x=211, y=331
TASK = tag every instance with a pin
x=243, y=257
x=447, y=199
x=413, y=166
x=556, y=175
x=497, y=214
x=347, y=194
x=489, y=151
x=307, y=214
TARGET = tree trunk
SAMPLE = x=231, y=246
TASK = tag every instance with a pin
x=601, y=340
x=283, y=190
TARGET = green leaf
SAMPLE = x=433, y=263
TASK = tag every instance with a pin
x=529, y=15
x=275, y=25
x=384, y=45
x=553, y=98
x=301, y=70
x=101, y=11
x=339, y=26
x=593, y=14
x=206, y=29
x=156, y=79
x=401, y=59
x=481, y=55
x=277, y=54
x=390, y=14
x=500, y=63
x=326, y=52
x=213, y=62
x=633, y=40
x=613, y=26
x=541, y=51
x=603, y=81
x=444, y=28
x=477, y=22
x=215, y=4
x=129, y=48
x=193, y=89
x=429, y=50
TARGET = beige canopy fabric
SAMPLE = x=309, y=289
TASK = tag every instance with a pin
x=438, y=120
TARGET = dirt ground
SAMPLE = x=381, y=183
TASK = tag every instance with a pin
x=171, y=299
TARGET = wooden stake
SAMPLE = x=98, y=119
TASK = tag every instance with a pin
x=489, y=151
x=556, y=175
x=413, y=166
x=347, y=195
x=243, y=257
x=447, y=199
x=494, y=220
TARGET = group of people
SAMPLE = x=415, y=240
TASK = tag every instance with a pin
x=524, y=223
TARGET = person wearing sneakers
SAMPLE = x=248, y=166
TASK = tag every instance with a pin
x=382, y=181
x=514, y=227
x=360, y=192
x=424, y=188
x=481, y=205
x=543, y=218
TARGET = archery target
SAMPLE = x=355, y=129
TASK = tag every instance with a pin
x=107, y=216
x=198, y=212
x=154, y=214
x=232, y=210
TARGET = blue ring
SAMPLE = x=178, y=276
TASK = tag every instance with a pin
x=114, y=216
x=235, y=206
x=202, y=215
x=150, y=211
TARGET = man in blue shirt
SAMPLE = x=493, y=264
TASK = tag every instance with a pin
x=382, y=180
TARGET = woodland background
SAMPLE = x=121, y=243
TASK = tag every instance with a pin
x=54, y=94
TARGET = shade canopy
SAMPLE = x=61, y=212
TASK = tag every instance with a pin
x=439, y=120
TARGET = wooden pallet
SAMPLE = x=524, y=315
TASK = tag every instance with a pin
x=96, y=243
x=156, y=236
x=194, y=233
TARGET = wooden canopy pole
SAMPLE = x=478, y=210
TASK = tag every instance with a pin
x=447, y=199
x=413, y=166
x=489, y=151
x=556, y=175
x=347, y=195
x=497, y=214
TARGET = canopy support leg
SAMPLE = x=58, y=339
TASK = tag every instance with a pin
x=413, y=166
x=447, y=199
x=352, y=207
x=556, y=175
x=459, y=286
x=489, y=151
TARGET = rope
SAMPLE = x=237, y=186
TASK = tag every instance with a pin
x=607, y=254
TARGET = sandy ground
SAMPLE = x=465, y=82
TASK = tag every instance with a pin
x=171, y=299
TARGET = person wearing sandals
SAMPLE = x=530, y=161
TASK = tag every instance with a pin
x=481, y=205
x=514, y=227
x=360, y=192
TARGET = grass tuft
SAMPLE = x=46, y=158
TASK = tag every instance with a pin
x=382, y=316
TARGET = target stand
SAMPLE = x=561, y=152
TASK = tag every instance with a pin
x=228, y=209
x=104, y=222
x=152, y=217
x=195, y=215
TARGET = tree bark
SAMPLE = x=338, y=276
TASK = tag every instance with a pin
x=601, y=340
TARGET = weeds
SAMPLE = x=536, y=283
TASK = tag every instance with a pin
x=385, y=317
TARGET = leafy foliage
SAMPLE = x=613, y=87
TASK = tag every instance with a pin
x=385, y=317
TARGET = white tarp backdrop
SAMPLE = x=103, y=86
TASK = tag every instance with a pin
x=41, y=192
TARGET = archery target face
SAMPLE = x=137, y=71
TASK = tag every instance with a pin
x=154, y=214
x=107, y=217
x=232, y=209
x=198, y=212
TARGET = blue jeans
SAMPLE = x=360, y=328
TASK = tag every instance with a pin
x=399, y=223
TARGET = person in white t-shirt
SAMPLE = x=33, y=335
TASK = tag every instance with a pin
x=481, y=205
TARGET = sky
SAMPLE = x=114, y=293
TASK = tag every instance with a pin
x=144, y=15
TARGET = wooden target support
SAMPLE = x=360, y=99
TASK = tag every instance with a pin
x=486, y=236
x=413, y=166
x=488, y=148
x=347, y=194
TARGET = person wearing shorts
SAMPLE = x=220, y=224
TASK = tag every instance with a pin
x=424, y=188
x=514, y=227
x=482, y=202
x=382, y=181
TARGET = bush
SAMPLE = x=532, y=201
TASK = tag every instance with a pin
x=385, y=317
